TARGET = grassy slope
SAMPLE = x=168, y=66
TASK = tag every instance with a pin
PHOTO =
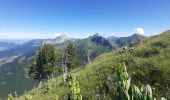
x=147, y=64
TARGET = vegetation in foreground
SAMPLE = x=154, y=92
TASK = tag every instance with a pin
x=148, y=63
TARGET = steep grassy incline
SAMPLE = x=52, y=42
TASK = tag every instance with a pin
x=149, y=63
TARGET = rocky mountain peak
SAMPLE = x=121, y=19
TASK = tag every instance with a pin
x=62, y=36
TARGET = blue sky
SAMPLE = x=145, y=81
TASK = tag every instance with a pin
x=81, y=18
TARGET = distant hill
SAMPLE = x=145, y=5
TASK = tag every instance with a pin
x=122, y=41
x=21, y=49
x=15, y=41
x=112, y=39
x=6, y=45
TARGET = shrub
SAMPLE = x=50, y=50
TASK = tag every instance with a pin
x=66, y=77
x=48, y=85
x=10, y=97
x=161, y=44
x=28, y=97
x=146, y=52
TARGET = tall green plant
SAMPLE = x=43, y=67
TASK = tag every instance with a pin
x=124, y=89
x=128, y=92
x=75, y=93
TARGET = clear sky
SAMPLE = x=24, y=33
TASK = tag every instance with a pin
x=80, y=18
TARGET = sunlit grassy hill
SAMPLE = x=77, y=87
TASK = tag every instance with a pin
x=148, y=63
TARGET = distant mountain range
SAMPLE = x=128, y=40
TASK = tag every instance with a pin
x=12, y=49
x=16, y=41
x=32, y=45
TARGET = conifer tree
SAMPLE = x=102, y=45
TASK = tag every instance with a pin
x=71, y=59
x=43, y=63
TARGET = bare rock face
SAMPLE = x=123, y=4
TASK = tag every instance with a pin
x=99, y=40
x=60, y=39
